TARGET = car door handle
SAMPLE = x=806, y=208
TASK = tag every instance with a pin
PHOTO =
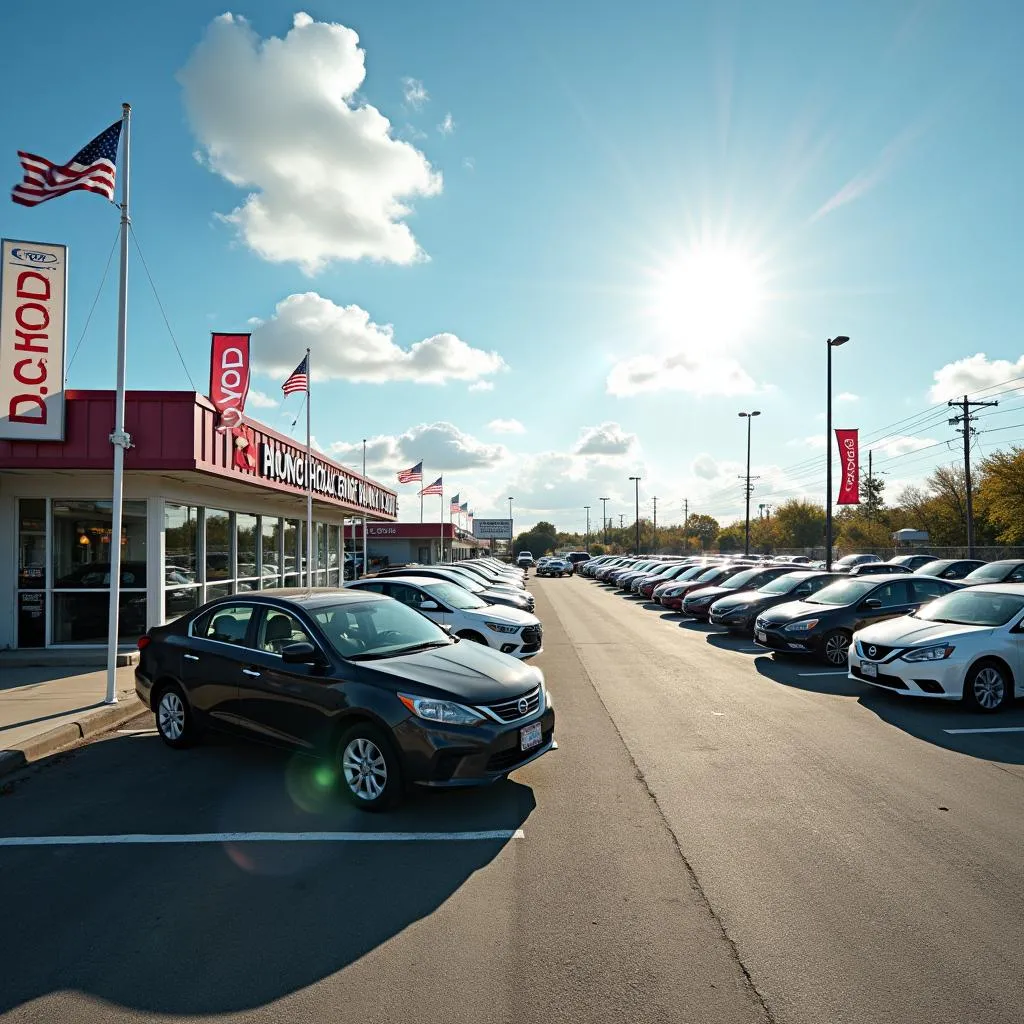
x=191, y=657
x=250, y=672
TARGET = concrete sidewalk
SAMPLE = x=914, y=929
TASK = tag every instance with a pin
x=47, y=709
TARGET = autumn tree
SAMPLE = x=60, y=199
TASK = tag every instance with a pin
x=704, y=528
x=800, y=524
x=1001, y=494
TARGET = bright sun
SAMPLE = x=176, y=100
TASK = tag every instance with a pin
x=709, y=293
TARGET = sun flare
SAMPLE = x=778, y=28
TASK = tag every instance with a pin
x=709, y=293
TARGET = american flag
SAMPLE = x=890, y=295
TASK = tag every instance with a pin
x=411, y=476
x=464, y=507
x=299, y=379
x=91, y=168
x=434, y=488
x=454, y=506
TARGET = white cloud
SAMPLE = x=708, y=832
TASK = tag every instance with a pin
x=607, y=439
x=682, y=371
x=347, y=344
x=413, y=92
x=814, y=441
x=847, y=396
x=705, y=467
x=440, y=446
x=965, y=376
x=481, y=385
x=447, y=126
x=902, y=445
x=325, y=178
x=469, y=163
x=258, y=400
x=507, y=427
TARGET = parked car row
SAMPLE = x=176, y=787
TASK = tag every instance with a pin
x=954, y=632
x=417, y=676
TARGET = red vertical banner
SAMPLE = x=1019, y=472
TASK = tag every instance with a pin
x=849, y=461
x=229, y=377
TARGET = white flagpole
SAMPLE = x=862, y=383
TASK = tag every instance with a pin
x=309, y=474
x=366, y=564
x=422, y=480
x=119, y=438
x=441, y=520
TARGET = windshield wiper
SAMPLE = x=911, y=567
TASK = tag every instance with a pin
x=397, y=651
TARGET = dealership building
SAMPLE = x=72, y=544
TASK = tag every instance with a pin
x=426, y=543
x=207, y=512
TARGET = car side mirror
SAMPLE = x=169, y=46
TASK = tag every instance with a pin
x=429, y=606
x=301, y=654
x=872, y=604
x=447, y=628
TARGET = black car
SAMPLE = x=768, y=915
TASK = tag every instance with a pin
x=846, y=563
x=379, y=690
x=737, y=612
x=1007, y=570
x=878, y=569
x=911, y=563
x=824, y=623
x=698, y=604
x=949, y=568
x=509, y=598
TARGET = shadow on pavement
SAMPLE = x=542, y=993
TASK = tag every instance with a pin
x=928, y=719
x=224, y=927
x=808, y=674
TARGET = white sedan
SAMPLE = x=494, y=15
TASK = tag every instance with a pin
x=509, y=630
x=968, y=645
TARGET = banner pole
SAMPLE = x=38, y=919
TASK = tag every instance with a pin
x=309, y=473
x=120, y=439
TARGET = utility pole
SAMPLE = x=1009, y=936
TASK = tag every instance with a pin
x=604, y=518
x=622, y=519
x=655, y=540
x=967, y=430
x=636, y=482
x=587, y=545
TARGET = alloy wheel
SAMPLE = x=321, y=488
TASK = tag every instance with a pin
x=989, y=687
x=837, y=648
x=366, y=771
x=171, y=716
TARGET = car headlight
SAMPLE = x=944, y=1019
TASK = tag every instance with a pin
x=938, y=653
x=497, y=627
x=674, y=592
x=447, y=712
x=800, y=627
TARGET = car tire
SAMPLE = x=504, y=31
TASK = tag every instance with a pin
x=835, y=648
x=473, y=637
x=988, y=687
x=175, y=721
x=370, y=775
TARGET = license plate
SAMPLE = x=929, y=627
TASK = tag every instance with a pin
x=762, y=636
x=869, y=670
x=530, y=736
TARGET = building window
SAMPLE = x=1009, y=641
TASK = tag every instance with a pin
x=333, y=560
x=320, y=554
x=246, y=543
x=32, y=572
x=270, y=545
x=181, y=560
x=81, y=538
x=219, y=565
x=294, y=556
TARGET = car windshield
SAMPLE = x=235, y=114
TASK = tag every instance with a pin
x=973, y=608
x=692, y=572
x=783, y=584
x=453, y=596
x=377, y=629
x=993, y=571
x=741, y=579
x=849, y=560
x=935, y=567
x=469, y=581
x=709, y=574
x=844, y=592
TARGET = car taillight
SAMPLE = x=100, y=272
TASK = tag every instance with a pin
x=143, y=642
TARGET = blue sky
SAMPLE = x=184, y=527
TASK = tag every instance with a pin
x=636, y=221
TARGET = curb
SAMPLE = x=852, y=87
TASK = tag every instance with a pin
x=70, y=734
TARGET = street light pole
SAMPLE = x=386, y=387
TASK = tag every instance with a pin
x=749, y=416
x=511, y=532
x=831, y=343
x=587, y=544
x=604, y=519
x=636, y=481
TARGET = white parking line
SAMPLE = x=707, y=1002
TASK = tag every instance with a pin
x=193, y=838
x=808, y=675
x=1004, y=728
x=137, y=732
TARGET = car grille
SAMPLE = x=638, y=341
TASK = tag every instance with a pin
x=508, y=710
x=531, y=636
x=507, y=759
x=893, y=682
x=880, y=652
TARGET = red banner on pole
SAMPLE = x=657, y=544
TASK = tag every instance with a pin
x=229, y=377
x=849, y=461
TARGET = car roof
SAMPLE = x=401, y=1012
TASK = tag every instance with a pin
x=1010, y=589
x=421, y=581
x=303, y=596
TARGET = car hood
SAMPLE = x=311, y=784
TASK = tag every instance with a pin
x=797, y=610
x=907, y=631
x=747, y=599
x=503, y=614
x=505, y=598
x=710, y=592
x=468, y=672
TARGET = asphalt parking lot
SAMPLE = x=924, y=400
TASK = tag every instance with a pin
x=721, y=836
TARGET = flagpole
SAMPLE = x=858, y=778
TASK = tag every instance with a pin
x=440, y=519
x=309, y=474
x=423, y=477
x=365, y=560
x=119, y=438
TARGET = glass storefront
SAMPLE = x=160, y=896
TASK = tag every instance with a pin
x=294, y=552
x=270, y=551
x=181, y=559
x=218, y=545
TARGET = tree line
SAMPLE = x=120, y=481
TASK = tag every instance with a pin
x=939, y=506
